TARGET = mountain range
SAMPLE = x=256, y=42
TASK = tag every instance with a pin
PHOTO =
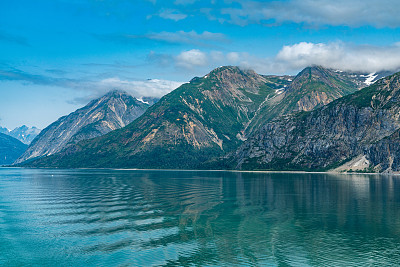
x=235, y=118
x=23, y=133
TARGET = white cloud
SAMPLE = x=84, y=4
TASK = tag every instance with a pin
x=138, y=89
x=233, y=57
x=191, y=37
x=355, y=13
x=172, y=14
x=293, y=58
x=339, y=55
x=205, y=61
x=90, y=88
x=217, y=56
x=205, y=38
x=191, y=58
x=152, y=87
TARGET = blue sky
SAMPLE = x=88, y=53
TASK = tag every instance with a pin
x=56, y=55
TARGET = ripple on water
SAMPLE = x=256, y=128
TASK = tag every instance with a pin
x=145, y=218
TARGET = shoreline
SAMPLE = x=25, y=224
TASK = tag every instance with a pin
x=194, y=170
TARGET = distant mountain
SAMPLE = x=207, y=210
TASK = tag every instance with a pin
x=10, y=149
x=112, y=111
x=356, y=132
x=25, y=134
x=4, y=130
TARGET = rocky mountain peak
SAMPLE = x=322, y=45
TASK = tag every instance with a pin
x=231, y=71
x=113, y=95
x=314, y=74
x=233, y=78
x=112, y=111
x=116, y=93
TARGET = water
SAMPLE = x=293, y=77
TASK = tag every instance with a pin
x=194, y=218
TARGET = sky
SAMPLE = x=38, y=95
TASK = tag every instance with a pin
x=57, y=55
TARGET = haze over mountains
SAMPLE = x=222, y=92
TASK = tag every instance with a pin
x=205, y=123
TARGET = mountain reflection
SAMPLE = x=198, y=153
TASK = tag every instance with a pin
x=180, y=218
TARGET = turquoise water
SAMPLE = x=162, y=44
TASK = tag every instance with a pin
x=195, y=218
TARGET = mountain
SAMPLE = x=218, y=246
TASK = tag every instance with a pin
x=25, y=134
x=187, y=128
x=313, y=87
x=200, y=122
x=112, y=111
x=356, y=132
x=10, y=149
x=4, y=130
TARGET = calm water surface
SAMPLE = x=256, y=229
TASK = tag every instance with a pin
x=194, y=218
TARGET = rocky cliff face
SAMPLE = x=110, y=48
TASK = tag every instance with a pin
x=110, y=112
x=383, y=156
x=10, y=149
x=356, y=132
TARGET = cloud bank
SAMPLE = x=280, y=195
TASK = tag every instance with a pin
x=364, y=58
x=293, y=58
x=94, y=88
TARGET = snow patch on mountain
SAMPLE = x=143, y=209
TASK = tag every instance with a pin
x=370, y=78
